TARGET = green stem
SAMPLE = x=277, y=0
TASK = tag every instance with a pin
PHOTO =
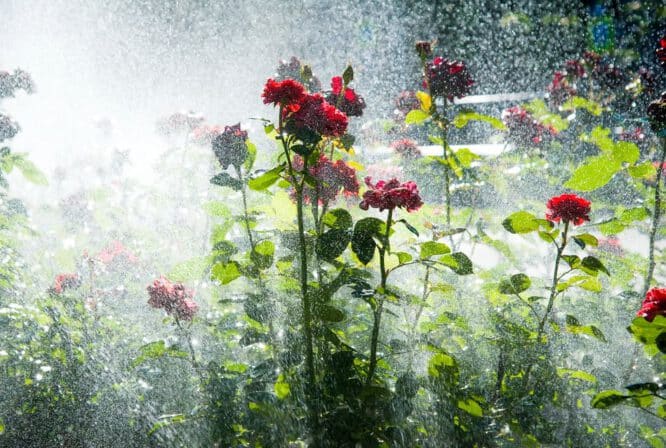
x=377, y=312
x=656, y=216
x=307, y=306
x=551, y=298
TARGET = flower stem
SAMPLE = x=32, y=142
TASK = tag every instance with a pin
x=551, y=298
x=656, y=216
x=311, y=387
x=377, y=312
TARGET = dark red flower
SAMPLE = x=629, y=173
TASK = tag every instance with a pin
x=559, y=90
x=523, y=129
x=345, y=98
x=65, y=281
x=315, y=115
x=230, y=146
x=332, y=177
x=173, y=298
x=654, y=304
x=390, y=195
x=656, y=112
x=406, y=148
x=448, y=79
x=283, y=93
x=575, y=68
x=568, y=208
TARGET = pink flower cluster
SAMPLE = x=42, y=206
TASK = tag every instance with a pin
x=65, y=281
x=448, y=79
x=388, y=195
x=173, y=298
x=523, y=129
x=406, y=148
x=116, y=253
x=203, y=135
x=332, y=177
x=345, y=98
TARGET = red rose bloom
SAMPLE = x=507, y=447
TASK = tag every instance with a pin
x=332, y=177
x=314, y=114
x=661, y=51
x=204, y=135
x=568, y=208
x=65, y=281
x=447, y=78
x=173, y=298
x=390, y=195
x=116, y=253
x=560, y=90
x=345, y=98
x=654, y=304
x=283, y=93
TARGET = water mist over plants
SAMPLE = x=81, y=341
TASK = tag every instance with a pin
x=306, y=223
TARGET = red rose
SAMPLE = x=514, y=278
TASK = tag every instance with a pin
x=560, y=90
x=283, y=93
x=654, y=304
x=348, y=102
x=173, y=298
x=447, y=78
x=315, y=115
x=568, y=208
x=661, y=51
x=332, y=177
x=406, y=148
x=523, y=129
x=390, y=195
x=65, y=281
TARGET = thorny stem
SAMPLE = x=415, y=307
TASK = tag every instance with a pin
x=307, y=307
x=551, y=298
x=377, y=312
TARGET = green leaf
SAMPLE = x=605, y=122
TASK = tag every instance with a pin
x=329, y=313
x=648, y=333
x=28, y=169
x=331, y=244
x=262, y=256
x=425, y=100
x=593, y=266
x=626, y=152
x=251, y=155
x=458, y=262
x=471, y=407
x=266, y=179
x=543, y=115
x=430, y=248
x=348, y=75
x=155, y=350
x=573, y=326
x=585, y=239
x=409, y=227
x=282, y=389
x=416, y=116
x=578, y=102
x=572, y=260
x=515, y=285
x=465, y=156
x=167, y=420
x=363, y=238
x=521, y=222
x=576, y=374
x=593, y=174
x=225, y=273
x=463, y=118
x=644, y=170
x=403, y=257
x=338, y=218
x=192, y=269
x=608, y=398
x=223, y=179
